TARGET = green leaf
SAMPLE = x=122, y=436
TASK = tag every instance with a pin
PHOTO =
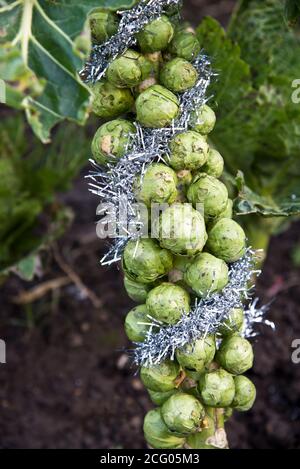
x=29, y=212
x=249, y=202
x=26, y=268
x=40, y=59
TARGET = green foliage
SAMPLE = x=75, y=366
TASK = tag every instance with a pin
x=41, y=54
x=30, y=175
x=258, y=126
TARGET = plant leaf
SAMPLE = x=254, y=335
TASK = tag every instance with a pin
x=40, y=59
x=258, y=125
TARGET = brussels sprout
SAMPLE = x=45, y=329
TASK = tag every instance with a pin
x=157, y=433
x=156, y=59
x=245, y=394
x=188, y=150
x=159, y=398
x=168, y=302
x=216, y=388
x=103, y=24
x=156, y=107
x=156, y=36
x=181, y=229
x=178, y=75
x=111, y=140
x=161, y=377
x=182, y=413
x=129, y=69
x=144, y=261
x=137, y=323
x=206, y=274
x=138, y=292
x=110, y=101
x=227, y=213
x=210, y=192
x=195, y=356
x=227, y=240
x=157, y=185
x=235, y=355
x=233, y=324
x=203, y=120
x=214, y=165
x=185, y=45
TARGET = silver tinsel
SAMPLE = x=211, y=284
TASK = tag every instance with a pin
x=132, y=21
x=205, y=317
x=115, y=182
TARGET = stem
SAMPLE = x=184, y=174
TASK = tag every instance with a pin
x=212, y=435
x=25, y=29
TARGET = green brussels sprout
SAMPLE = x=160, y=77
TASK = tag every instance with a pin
x=112, y=140
x=178, y=75
x=161, y=377
x=129, y=69
x=144, y=261
x=227, y=240
x=168, y=302
x=156, y=59
x=181, y=229
x=159, y=398
x=206, y=274
x=216, y=388
x=109, y=101
x=227, y=213
x=188, y=150
x=182, y=413
x=137, y=323
x=214, y=165
x=157, y=185
x=235, y=355
x=103, y=24
x=138, y=292
x=196, y=356
x=157, y=433
x=185, y=45
x=156, y=107
x=245, y=394
x=210, y=192
x=233, y=324
x=203, y=120
x=156, y=36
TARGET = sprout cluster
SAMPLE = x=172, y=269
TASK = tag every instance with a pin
x=188, y=255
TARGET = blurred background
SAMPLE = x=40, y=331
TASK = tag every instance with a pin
x=67, y=381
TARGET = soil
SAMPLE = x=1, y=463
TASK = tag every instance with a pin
x=68, y=382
